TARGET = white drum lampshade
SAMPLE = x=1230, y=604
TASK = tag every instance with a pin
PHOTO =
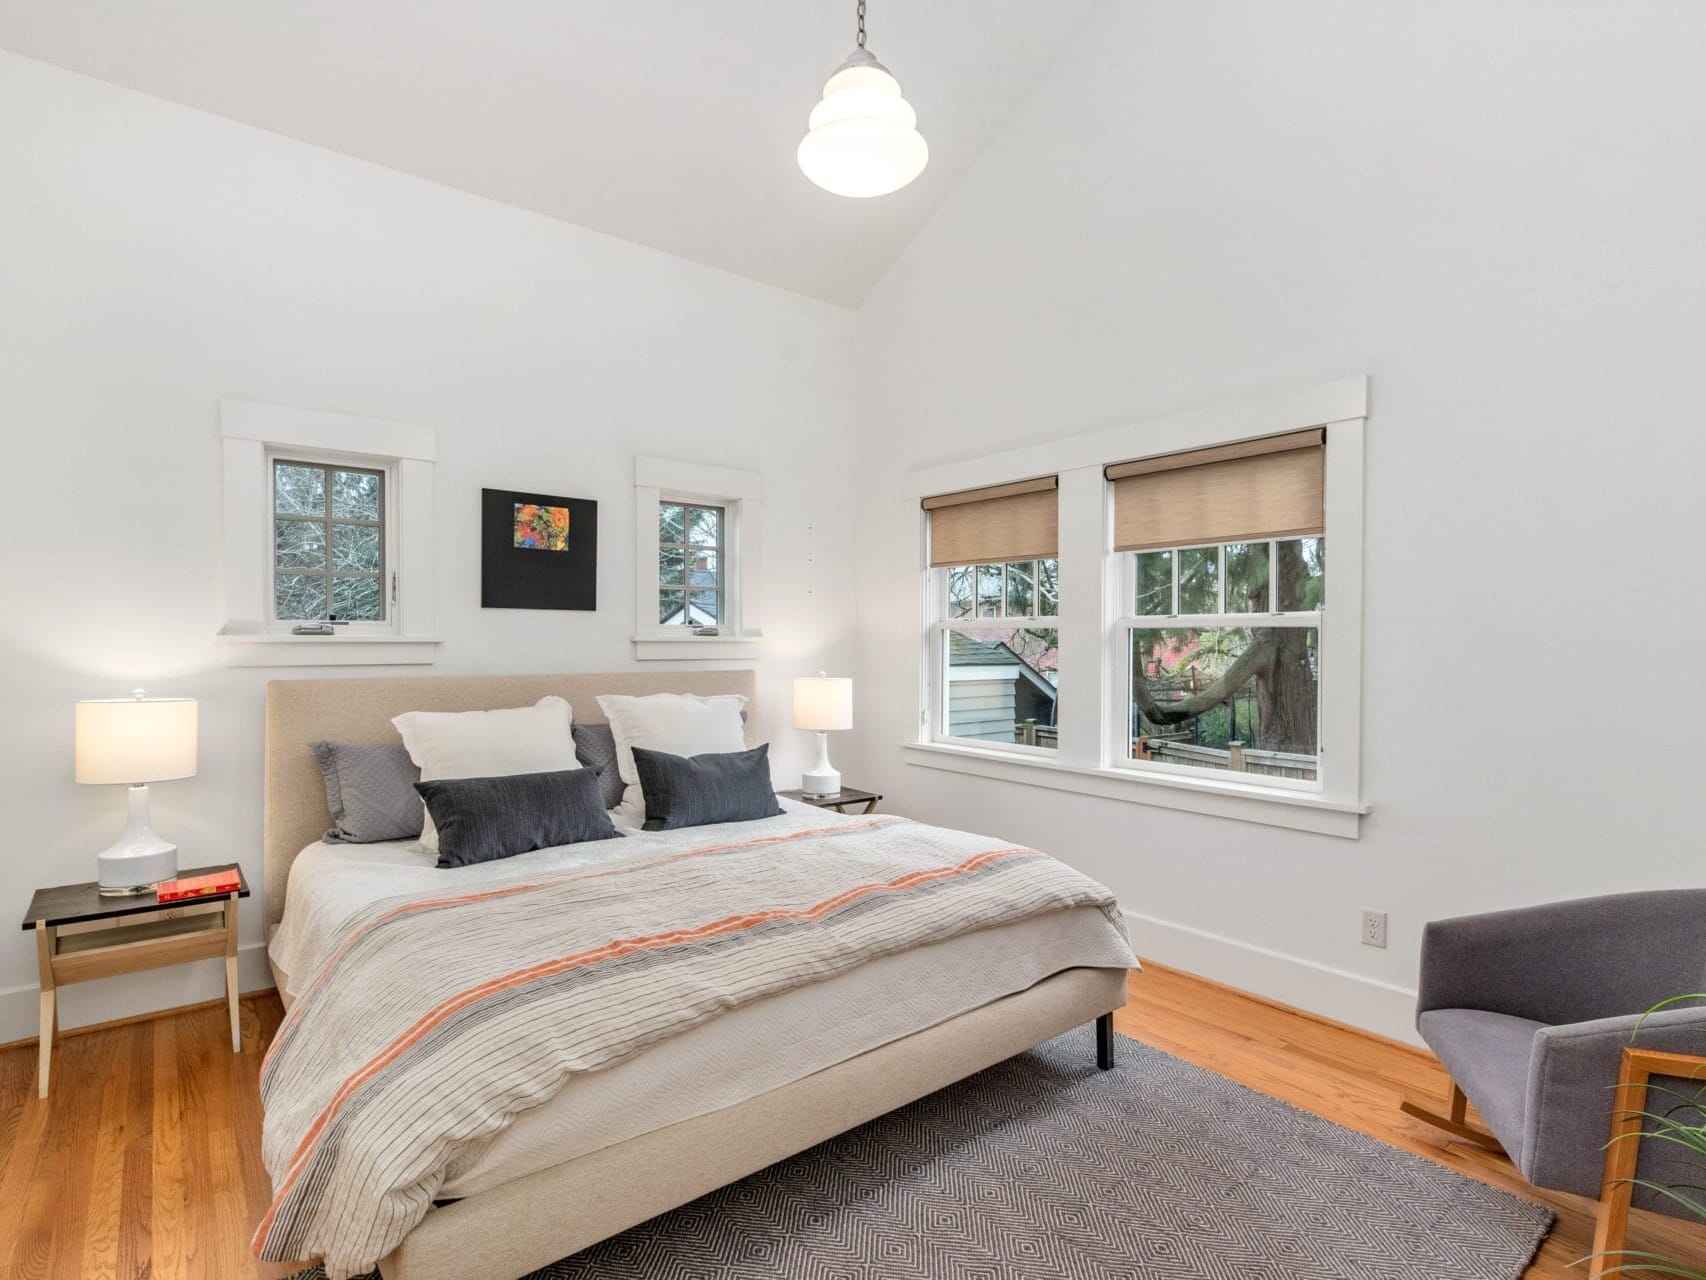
x=823, y=704
x=135, y=741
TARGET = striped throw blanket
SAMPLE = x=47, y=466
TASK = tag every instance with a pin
x=436, y=1019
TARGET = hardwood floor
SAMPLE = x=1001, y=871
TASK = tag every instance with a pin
x=145, y=1161
x=145, y=1164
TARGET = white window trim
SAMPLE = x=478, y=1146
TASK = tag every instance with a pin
x=1092, y=614
x=251, y=436
x=741, y=496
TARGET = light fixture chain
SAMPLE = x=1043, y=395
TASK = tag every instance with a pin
x=861, y=24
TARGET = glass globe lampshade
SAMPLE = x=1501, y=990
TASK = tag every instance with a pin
x=863, y=137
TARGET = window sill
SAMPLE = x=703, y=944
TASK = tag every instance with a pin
x=1297, y=811
x=258, y=650
x=689, y=648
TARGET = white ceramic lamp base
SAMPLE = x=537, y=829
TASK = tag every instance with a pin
x=138, y=860
x=822, y=779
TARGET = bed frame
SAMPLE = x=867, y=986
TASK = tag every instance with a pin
x=521, y=1226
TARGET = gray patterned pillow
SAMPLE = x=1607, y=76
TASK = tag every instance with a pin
x=370, y=791
x=595, y=748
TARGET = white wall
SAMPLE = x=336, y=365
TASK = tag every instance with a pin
x=153, y=259
x=1495, y=209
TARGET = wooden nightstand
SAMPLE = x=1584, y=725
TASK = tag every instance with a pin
x=69, y=948
x=839, y=801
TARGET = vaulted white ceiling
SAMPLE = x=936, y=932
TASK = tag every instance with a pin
x=671, y=123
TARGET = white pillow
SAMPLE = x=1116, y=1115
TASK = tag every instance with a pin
x=679, y=723
x=488, y=744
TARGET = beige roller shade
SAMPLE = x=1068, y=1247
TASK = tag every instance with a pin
x=1268, y=488
x=1019, y=521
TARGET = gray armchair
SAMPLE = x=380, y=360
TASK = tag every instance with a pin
x=1530, y=1010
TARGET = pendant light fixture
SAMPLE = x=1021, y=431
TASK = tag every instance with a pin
x=863, y=139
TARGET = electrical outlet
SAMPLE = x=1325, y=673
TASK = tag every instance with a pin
x=1374, y=928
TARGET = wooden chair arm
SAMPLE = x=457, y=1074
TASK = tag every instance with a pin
x=1636, y=1068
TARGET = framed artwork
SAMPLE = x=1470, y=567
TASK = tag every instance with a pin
x=537, y=551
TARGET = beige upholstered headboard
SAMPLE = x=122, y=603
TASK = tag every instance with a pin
x=303, y=711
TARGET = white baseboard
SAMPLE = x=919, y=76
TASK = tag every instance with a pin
x=131, y=994
x=1369, y=1003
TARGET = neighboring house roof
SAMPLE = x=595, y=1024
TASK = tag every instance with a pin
x=969, y=652
x=965, y=651
x=695, y=617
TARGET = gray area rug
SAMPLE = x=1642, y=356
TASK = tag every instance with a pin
x=1044, y=1166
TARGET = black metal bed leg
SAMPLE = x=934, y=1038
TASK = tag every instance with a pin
x=1105, y=1042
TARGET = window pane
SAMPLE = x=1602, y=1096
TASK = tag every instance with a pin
x=299, y=544
x=1199, y=580
x=988, y=590
x=672, y=524
x=1002, y=685
x=298, y=491
x=1196, y=694
x=702, y=568
x=1302, y=574
x=299, y=596
x=1246, y=577
x=355, y=548
x=355, y=495
x=356, y=599
x=671, y=606
x=1048, y=587
x=672, y=564
x=704, y=526
x=1154, y=582
x=702, y=608
x=1021, y=588
x=959, y=592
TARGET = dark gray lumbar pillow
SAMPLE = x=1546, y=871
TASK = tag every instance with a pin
x=695, y=791
x=484, y=819
x=595, y=748
x=370, y=791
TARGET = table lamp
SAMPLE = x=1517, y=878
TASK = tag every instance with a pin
x=136, y=740
x=824, y=705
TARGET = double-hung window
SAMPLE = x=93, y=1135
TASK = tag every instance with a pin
x=1178, y=569
x=995, y=586
x=1222, y=581
x=1222, y=658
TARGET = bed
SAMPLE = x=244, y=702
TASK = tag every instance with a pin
x=722, y=1099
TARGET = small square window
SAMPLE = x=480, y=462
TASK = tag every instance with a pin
x=328, y=557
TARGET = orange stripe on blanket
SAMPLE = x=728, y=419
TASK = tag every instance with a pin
x=610, y=950
x=288, y=1025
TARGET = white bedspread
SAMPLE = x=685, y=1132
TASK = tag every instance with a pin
x=739, y=1055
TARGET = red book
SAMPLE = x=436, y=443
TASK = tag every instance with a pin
x=196, y=886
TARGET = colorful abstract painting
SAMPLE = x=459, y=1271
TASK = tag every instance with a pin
x=513, y=526
x=541, y=528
